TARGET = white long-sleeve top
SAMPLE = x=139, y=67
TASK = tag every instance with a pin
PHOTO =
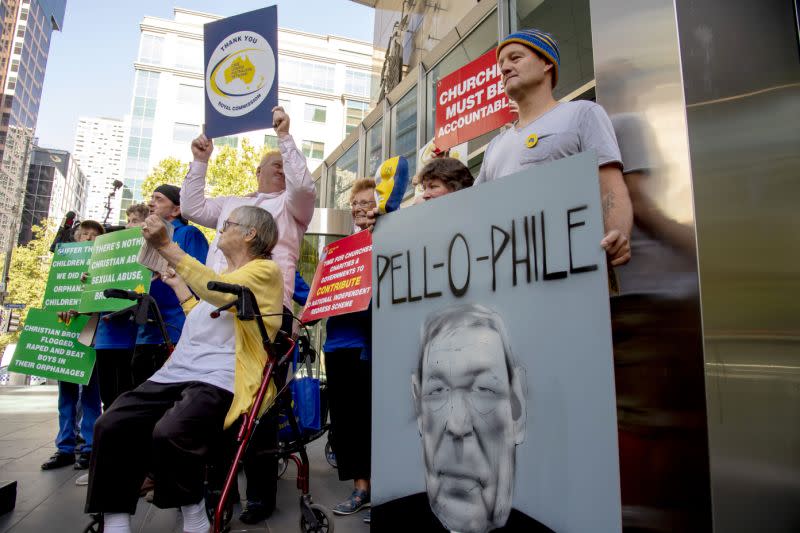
x=291, y=208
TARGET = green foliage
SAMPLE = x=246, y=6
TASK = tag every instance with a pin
x=169, y=170
x=30, y=265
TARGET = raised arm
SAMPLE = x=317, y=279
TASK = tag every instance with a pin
x=194, y=204
x=300, y=188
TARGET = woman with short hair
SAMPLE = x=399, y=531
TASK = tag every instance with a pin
x=348, y=354
x=209, y=381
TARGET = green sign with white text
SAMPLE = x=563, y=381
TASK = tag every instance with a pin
x=114, y=265
x=49, y=348
x=64, y=287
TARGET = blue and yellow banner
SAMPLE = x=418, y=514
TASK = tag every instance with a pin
x=391, y=182
x=241, y=76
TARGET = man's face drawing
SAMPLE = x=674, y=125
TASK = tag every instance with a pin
x=471, y=415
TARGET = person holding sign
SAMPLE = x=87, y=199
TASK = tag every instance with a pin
x=285, y=189
x=207, y=384
x=69, y=394
x=151, y=351
x=548, y=130
x=348, y=351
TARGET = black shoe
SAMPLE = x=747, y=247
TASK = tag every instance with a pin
x=255, y=513
x=58, y=460
x=82, y=461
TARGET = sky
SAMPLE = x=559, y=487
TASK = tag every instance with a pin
x=90, y=65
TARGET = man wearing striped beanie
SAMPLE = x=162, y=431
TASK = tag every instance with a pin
x=548, y=130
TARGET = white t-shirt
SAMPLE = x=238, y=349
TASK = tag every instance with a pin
x=567, y=129
x=206, y=352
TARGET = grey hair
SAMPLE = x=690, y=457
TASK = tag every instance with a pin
x=260, y=220
x=459, y=316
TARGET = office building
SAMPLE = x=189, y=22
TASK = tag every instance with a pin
x=27, y=26
x=56, y=185
x=98, y=151
x=324, y=84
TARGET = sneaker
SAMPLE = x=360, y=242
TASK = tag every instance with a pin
x=358, y=500
x=255, y=513
x=58, y=460
x=82, y=461
x=368, y=517
x=82, y=481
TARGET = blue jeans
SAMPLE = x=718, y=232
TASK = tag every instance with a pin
x=69, y=394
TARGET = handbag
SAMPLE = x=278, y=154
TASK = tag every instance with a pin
x=305, y=393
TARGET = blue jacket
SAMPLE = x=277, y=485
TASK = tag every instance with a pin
x=194, y=243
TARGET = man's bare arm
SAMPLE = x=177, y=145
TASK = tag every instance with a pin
x=617, y=215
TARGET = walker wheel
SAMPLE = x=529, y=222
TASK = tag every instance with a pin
x=323, y=517
x=329, y=455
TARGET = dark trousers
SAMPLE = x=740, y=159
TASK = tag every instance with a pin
x=114, y=376
x=147, y=358
x=350, y=396
x=260, y=468
x=166, y=428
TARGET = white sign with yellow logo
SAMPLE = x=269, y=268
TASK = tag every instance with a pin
x=241, y=72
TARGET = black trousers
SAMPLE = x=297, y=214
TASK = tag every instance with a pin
x=113, y=374
x=147, y=358
x=166, y=428
x=350, y=396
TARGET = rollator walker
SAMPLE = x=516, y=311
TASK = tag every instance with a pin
x=314, y=517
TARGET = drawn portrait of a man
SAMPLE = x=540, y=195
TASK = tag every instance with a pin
x=469, y=394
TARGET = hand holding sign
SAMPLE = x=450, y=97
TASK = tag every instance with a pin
x=280, y=121
x=154, y=232
x=202, y=147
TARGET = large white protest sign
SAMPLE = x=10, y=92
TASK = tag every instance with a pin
x=493, y=382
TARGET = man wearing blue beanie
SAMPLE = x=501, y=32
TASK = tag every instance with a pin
x=547, y=130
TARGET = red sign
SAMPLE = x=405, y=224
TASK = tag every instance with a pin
x=470, y=102
x=343, y=280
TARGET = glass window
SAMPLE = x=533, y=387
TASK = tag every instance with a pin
x=357, y=82
x=189, y=54
x=228, y=140
x=344, y=173
x=271, y=142
x=356, y=111
x=190, y=95
x=150, y=49
x=313, y=149
x=316, y=113
x=404, y=130
x=568, y=21
x=185, y=133
x=306, y=74
x=374, y=146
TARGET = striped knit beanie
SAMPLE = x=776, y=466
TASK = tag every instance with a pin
x=538, y=41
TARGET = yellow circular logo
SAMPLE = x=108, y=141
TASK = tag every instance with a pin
x=532, y=140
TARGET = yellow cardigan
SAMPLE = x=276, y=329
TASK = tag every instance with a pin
x=264, y=278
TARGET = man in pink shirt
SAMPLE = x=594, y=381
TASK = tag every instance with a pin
x=285, y=189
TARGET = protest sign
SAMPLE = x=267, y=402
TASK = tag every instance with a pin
x=49, y=348
x=114, y=265
x=470, y=102
x=343, y=280
x=493, y=400
x=64, y=286
x=241, y=58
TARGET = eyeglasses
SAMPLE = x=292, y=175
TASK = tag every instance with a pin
x=363, y=204
x=229, y=223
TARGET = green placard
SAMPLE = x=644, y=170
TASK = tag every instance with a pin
x=63, y=290
x=113, y=265
x=49, y=348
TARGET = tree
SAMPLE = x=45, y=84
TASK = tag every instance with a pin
x=231, y=172
x=30, y=265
